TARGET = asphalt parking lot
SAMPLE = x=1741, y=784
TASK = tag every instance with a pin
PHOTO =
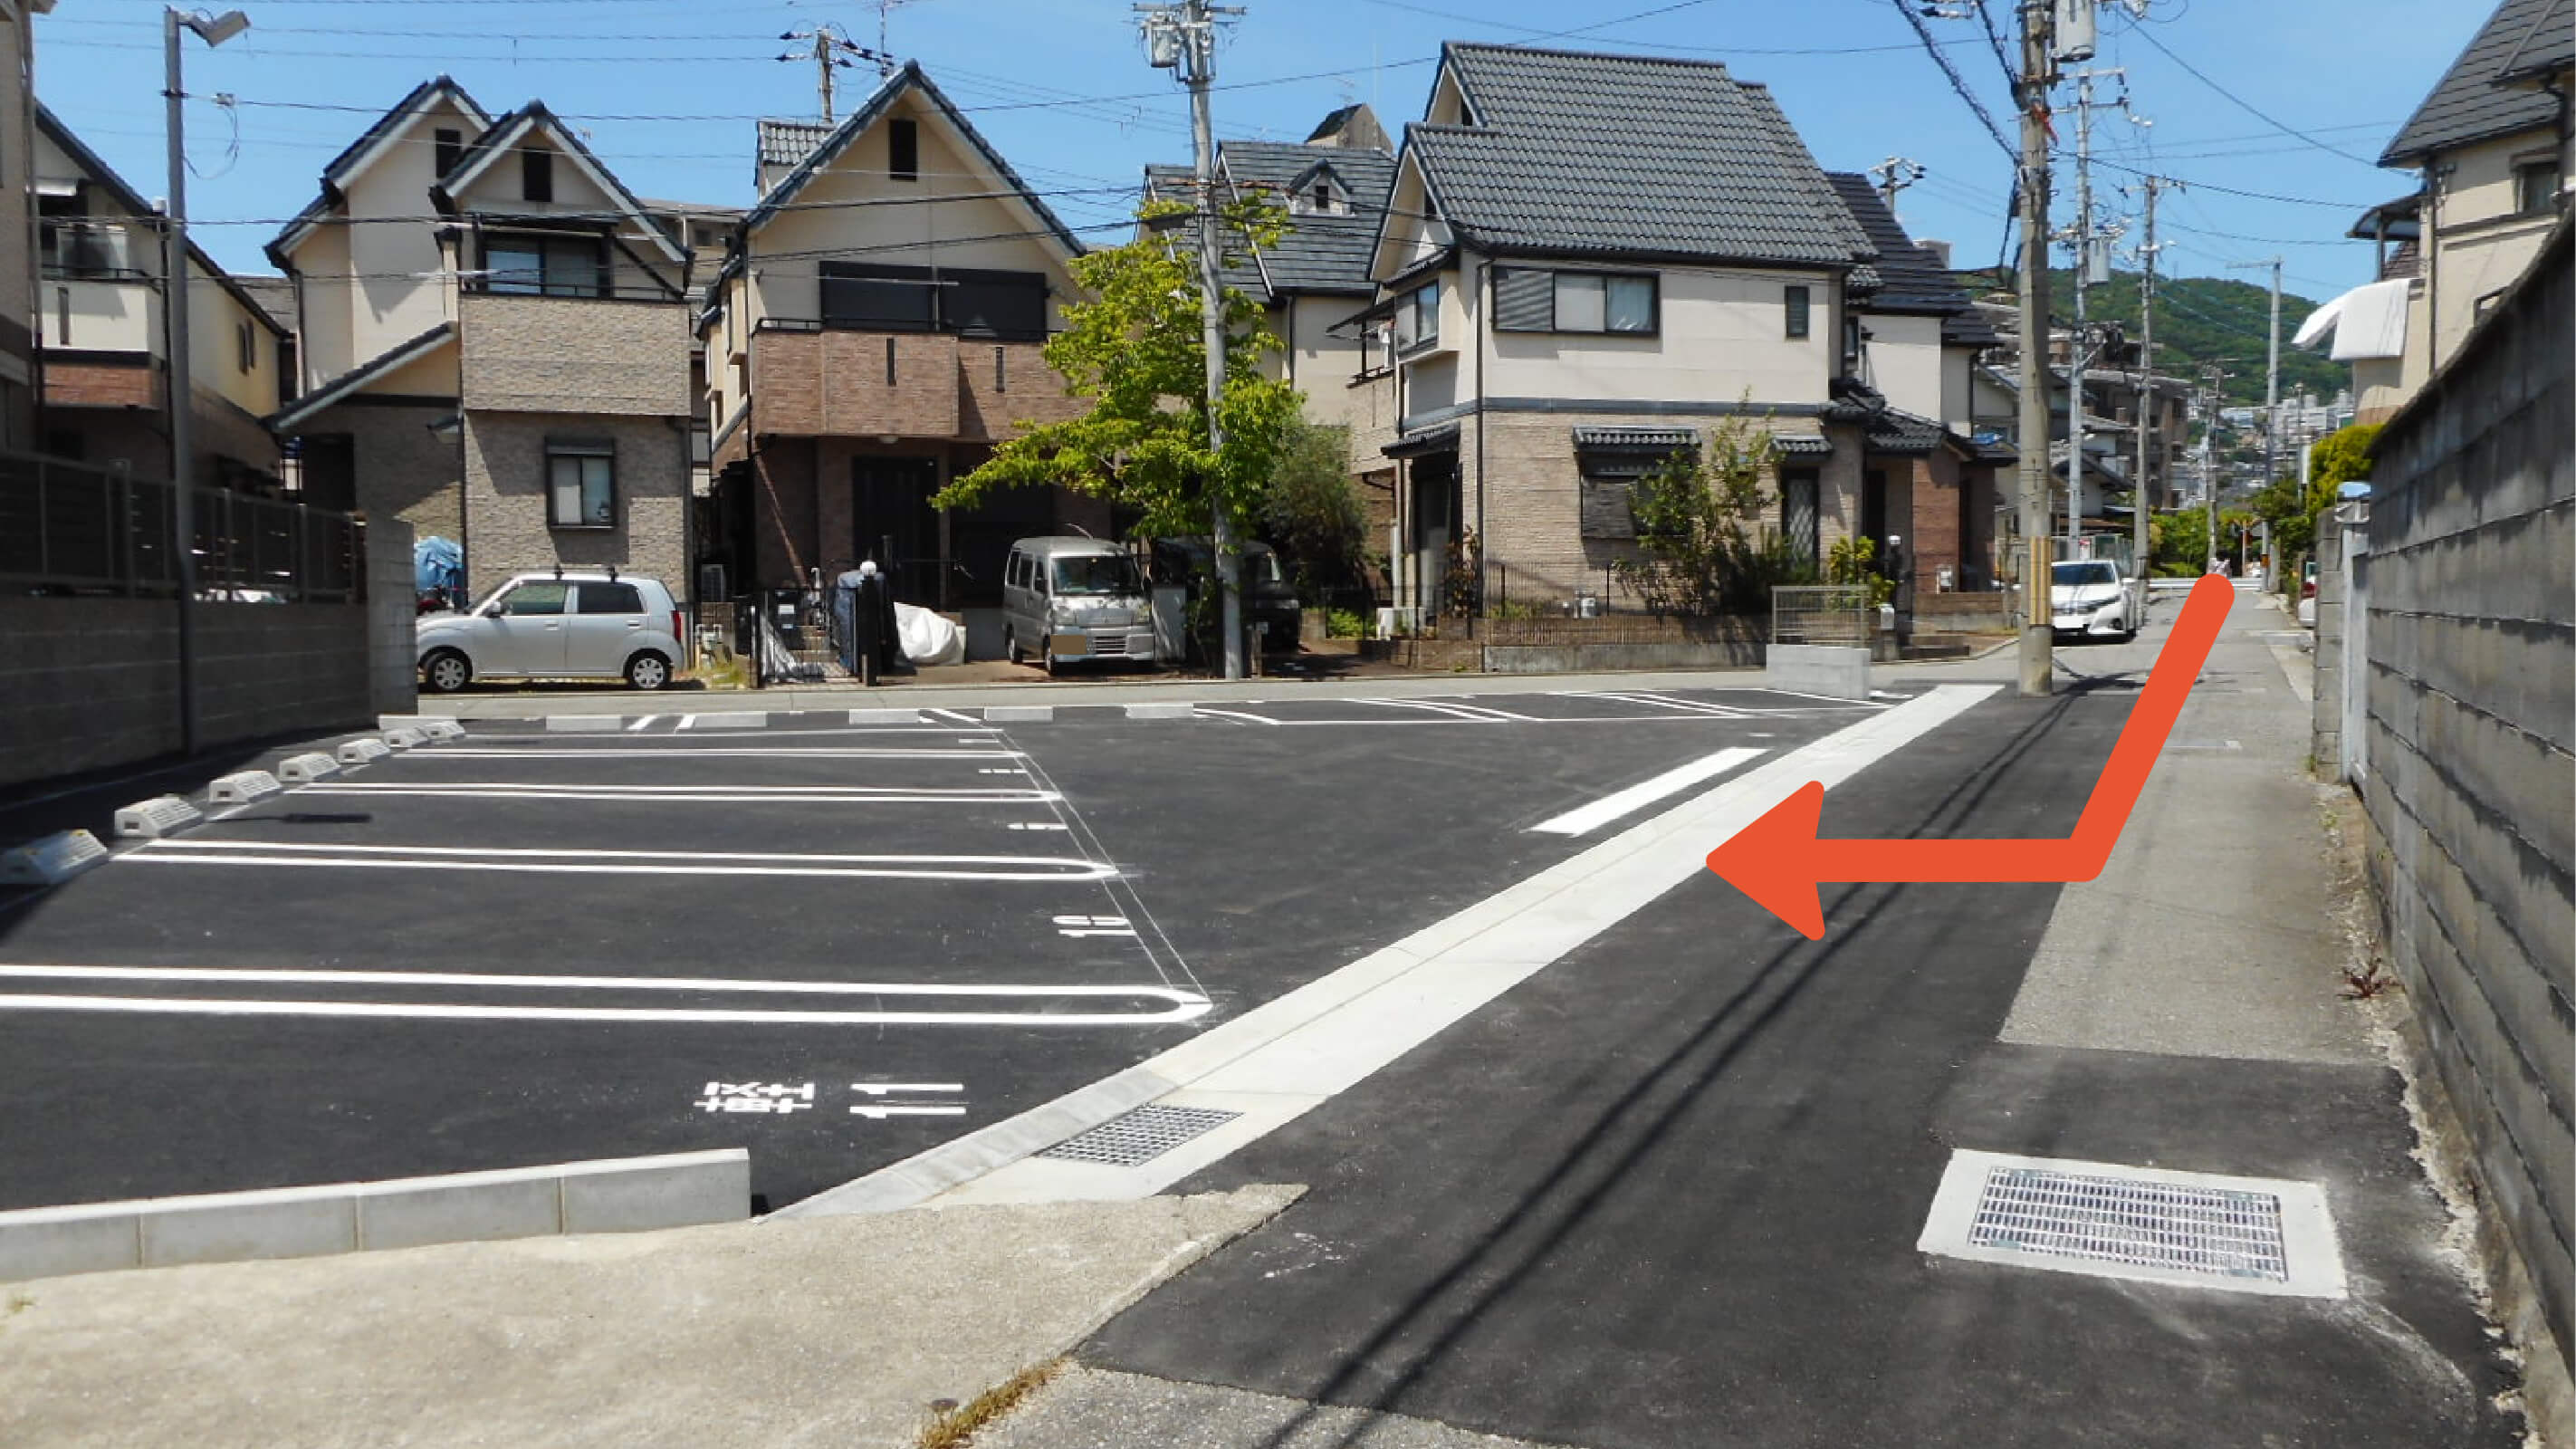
x=831, y=944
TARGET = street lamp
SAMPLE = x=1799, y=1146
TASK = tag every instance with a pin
x=178, y=389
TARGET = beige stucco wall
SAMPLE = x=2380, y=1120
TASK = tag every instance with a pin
x=1721, y=338
x=1321, y=363
x=389, y=275
x=1903, y=356
x=505, y=481
x=2475, y=246
x=856, y=210
x=215, y=319
x=574, y=354
x=18, y=295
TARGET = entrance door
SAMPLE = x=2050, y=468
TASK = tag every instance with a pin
x=1798, y=512
x=1873, y=508
x=890, y=505
x=1435, y=525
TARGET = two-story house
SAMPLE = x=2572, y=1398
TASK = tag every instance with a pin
x=1315, y=277
x=494, y=342
x=1587, y=261
x=875, y=330
x=2491, y=145
x=18, y=307
x=100, y=318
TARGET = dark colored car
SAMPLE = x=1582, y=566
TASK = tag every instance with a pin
x=1270, y=607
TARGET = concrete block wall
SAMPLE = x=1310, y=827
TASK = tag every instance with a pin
x=2325, y=747
x=88, y=683
x=574, y=355
x=2471, y=754
x=505, y=484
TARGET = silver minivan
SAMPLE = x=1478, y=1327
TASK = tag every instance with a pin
x=1065, y=600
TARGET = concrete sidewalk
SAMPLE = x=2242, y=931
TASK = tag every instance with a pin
x=832, y=1331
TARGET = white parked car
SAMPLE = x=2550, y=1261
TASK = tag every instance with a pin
x=2086, y=597
x=565, y=625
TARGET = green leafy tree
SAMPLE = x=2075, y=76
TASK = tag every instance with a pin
x=2179, y=543
x=1702, y=550
x=1313, y=513
x=1134, y=348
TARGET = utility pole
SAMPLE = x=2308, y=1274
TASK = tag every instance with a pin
x=2271, y=377
x=2080, y=347
x=2210, y=378
x=2147, y=408
x=831, y=49
x=178, y=389
x=2038, y=70
x=1894, y=175
x=1182, y=37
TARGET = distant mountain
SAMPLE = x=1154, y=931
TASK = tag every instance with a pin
x=2210, y=320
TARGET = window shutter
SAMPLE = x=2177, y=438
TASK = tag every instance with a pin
x=1524, y=299
x=1607, y=511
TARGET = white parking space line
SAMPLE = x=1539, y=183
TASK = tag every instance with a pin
x=686, y=720
x=638, y=727
x=1828, y=698
x=620, y=862
x=1236, y=715
x=1476, y=713
x=1176, y=1004
x=879, y=1089
x=964, y=719
x=692, y=752
x=1586, y=819
x=701, y=794
x=1657, y=701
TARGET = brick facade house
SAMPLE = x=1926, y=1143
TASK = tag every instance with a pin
x=513, y=375
x=874, y=331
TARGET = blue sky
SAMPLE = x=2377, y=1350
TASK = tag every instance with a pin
x=666, y=91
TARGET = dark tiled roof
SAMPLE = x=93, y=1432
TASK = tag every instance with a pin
x=332, y=390
x=1320, y=253
x=1585, y=154
x=276, y=297
x=784, y=143
x=2403, y=262
x=1894, y=431
x=1662, y=439
x=2467, y=105
x=1911, y=278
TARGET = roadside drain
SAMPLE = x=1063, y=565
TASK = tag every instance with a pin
x=1139, y=1136
x=2235, y=1234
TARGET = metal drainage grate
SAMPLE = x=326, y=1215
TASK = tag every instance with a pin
x=2132, y=1222
x=1140, y=1135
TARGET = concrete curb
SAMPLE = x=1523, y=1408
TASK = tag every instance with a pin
x=1019, y=713
x=615, y=1195
x=739, y=720
x=1174, y=710
x=592, y=724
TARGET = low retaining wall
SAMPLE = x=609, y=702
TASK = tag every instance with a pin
x=1960, y=613
x=620, y=1195
x=87, y=683
x=1839, y=670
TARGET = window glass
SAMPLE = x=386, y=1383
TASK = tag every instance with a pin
x=1631, y=304
x=447, y=147
x=535, y=598
x=1417, y=317
x=2076, y=575
x=1098, y=574
x=1579, y=306
x=903, y=149
x=572, y=267
x=2535, y=185
x=993, y=304
x=1794, y=304
x=581, y=492
x=609, y=598
x=537, y=175
x=878, y=299
x=515, y=267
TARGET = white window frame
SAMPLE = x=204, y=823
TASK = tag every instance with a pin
x=581, y=453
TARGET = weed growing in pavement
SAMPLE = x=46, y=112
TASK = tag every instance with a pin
x=953, y=1427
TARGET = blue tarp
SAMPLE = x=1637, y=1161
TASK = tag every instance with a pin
x=438, y=564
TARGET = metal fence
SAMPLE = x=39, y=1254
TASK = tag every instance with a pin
x=70, y=528
x=1823, y=614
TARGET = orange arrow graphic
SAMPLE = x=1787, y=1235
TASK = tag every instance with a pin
x=1778, y=861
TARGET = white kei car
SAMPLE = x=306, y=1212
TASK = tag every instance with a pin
x=561, y=625
x=2086, y=597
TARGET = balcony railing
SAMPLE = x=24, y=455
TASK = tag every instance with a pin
x=70, y=528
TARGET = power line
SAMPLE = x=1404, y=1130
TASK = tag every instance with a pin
x=2248, y=107
x=1932, y=48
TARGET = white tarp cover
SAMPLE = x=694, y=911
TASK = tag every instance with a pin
x=2367, y=322
x=928, y=638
